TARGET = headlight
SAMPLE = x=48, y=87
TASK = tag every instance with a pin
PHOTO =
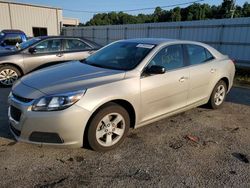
x=57, y=101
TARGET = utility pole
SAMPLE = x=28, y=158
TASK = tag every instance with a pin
x=232, y=10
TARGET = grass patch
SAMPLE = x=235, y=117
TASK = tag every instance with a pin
x=242, y=78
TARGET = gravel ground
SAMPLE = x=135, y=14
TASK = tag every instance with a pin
x=158, y=155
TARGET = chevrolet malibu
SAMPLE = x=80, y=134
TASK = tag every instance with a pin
x=127, y=84
x=39, y=52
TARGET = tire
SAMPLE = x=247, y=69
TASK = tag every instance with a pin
x=8, y=75
x=218, y=95
x=112, y=124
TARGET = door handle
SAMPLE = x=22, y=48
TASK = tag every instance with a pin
x=213, y=70
x=183, y=78
x=59, y=55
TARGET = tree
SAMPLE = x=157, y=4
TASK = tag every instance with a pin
x=226, y=9
x=195, y=11
x=246, y=9
x=176, y=14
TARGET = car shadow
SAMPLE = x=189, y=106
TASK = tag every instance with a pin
x=4, y=128
x=239, y=95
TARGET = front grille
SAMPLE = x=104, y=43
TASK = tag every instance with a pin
x=22, y=99
x=45, y=137
x=15, y=131
x=15, y=113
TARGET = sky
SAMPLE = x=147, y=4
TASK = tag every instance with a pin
x=114, y=5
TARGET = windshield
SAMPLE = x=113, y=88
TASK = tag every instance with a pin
x=120, y=56
x=28, y=43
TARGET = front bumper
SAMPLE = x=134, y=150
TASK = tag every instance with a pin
x=56, y=128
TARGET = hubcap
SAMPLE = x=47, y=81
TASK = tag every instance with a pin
x=8, y=76
x=219, y=95
x=110, y=129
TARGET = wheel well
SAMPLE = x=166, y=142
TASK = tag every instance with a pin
x=125, y=104
x=225, y=79
x=130, y=109
x=14, y=65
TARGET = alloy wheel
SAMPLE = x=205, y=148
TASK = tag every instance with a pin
x=8, y=77
x=110, y=129
x=219, y=95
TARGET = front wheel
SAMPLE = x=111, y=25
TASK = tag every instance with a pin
x=8, y=75
x=218, y=95
x=108, y=128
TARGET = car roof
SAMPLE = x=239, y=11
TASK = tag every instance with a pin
x=162, y=41
x=12, y=31
x=155, y=41
x=61, y=37
x=93, y=44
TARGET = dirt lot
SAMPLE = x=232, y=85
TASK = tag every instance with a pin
x=157, y=155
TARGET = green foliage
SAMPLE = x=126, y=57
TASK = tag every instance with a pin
x=195, y=11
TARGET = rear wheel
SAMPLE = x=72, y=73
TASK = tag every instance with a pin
x=108, y=128
x=218, y=95
x=8, y=75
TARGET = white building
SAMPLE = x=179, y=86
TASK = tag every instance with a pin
x=34, y=20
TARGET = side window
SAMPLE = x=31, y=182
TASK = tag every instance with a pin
x=46, y=46
x=12, y=39
x=170, y=57
x=209, y=55
x=74, y=45
x=198, y=54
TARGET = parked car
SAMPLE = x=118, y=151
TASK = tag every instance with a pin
x=2, y=49
x=126, y=84
x=40, y=52
x=9, y=38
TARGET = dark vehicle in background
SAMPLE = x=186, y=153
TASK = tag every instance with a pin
x=40, y=52
x=10, y=38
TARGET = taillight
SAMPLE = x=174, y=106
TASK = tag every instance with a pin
x=233, y=61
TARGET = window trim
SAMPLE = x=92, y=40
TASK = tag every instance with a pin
x=185, y=62
x=65, y=51
x=188, y=57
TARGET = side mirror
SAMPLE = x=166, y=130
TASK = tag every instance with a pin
x=32, y=50
x=155, y=69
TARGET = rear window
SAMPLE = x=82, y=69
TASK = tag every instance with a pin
x=12, y=39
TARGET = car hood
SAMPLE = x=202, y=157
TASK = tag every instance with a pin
x=7, y=52
x=71, y=76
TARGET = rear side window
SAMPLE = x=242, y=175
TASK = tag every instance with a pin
x=74, y=45
x=12, y=39
x=198, y=54
x=170, y=57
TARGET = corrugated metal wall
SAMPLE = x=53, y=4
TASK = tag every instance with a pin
x=230, y=36
x=24, y=17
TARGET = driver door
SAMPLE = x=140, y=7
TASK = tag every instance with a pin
x=46, y=53
x=165, y=93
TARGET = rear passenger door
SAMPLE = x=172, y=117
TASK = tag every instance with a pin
x=75, y=49
x=201, y=70
x=47, y=52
